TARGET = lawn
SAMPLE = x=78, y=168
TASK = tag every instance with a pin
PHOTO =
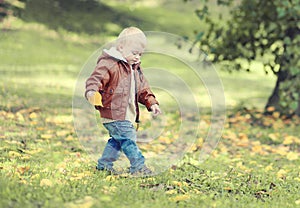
x=45, y=163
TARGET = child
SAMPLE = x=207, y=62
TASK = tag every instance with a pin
x=115, y=87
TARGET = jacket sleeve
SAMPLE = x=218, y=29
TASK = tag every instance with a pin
x=98, y=79
x=145, y=95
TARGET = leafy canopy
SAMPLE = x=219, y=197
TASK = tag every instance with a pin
x=265, y=31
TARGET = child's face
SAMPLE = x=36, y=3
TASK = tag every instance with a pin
x=132, y=52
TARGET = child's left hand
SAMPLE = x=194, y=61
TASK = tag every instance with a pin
x=95, y=98
x=155, y=110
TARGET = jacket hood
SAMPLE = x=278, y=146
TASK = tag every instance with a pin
x=113, y=52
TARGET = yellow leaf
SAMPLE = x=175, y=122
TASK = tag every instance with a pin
x=172, y=191
x=292, y=156
x=46, y=182
x=34, y=151
x=110, y=178
x=193, y=148
x=274, y=136
x=96, y=99
x=276, y=114
x=40, y=128
x=297, y=179
x=23, y=169
x=224, y=149
x=109, y=189
x=165, y=140
x=269, y=167
x=243, y=136
x=35, y=176
x=25, y=157
x=79, y=176
x=46, y=136
x=289, y=140
x=33, y=115
x=267, y=122
x=281, y=173
x=20, y=117
x=177, y=183
x=69, y=138
x=62, y=133
x=196, y=191
x=14, y=154
x=281, y=150
x=33, y=123
x=242, y=167
x=257, y=149
x=243, y=140
x=10, y=115
x=242, y=144
x=227, y=188
x=183, y=197
x=297, y=202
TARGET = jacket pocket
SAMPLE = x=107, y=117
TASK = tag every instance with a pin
x=111, y=97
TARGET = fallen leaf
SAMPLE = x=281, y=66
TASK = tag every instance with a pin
x=281, y=173
x=33, y=115
x=274, y=136
x=269, y=167
x=109, y=189
x=69, y=138
x=271, y=109
x=46, y=136
x=172, y=191
x=276, y=114
x=183, y=197
x=62, y=133
x=289, y=140
x=292, y=156
x=165, y=140
x=46, y=182
x=110, y=178
x=13, y=154
x=23, y=169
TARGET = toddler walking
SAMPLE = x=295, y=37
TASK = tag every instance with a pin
x=115, y=87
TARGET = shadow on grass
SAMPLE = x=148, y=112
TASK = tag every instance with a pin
x=88, y=16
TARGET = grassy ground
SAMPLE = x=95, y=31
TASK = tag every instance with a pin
x=43, y=163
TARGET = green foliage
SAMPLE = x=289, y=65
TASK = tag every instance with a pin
x=9, y=7
x=267, y=31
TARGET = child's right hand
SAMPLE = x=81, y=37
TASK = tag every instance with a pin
x=155, y=110
x=95, y=98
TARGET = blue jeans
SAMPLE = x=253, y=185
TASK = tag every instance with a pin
x=122, y=138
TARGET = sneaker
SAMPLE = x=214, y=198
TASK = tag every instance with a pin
x=110, y=171
x=144, y=171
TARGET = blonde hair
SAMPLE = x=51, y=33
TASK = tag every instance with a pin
x=131, y=34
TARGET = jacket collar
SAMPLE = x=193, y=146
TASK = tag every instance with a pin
x=114, y=53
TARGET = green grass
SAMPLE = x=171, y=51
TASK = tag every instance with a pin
x=164, y=16
x=43, y=163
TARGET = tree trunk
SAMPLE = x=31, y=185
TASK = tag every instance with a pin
x=274, y=99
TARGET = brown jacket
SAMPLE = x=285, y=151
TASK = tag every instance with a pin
x=112, y=79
